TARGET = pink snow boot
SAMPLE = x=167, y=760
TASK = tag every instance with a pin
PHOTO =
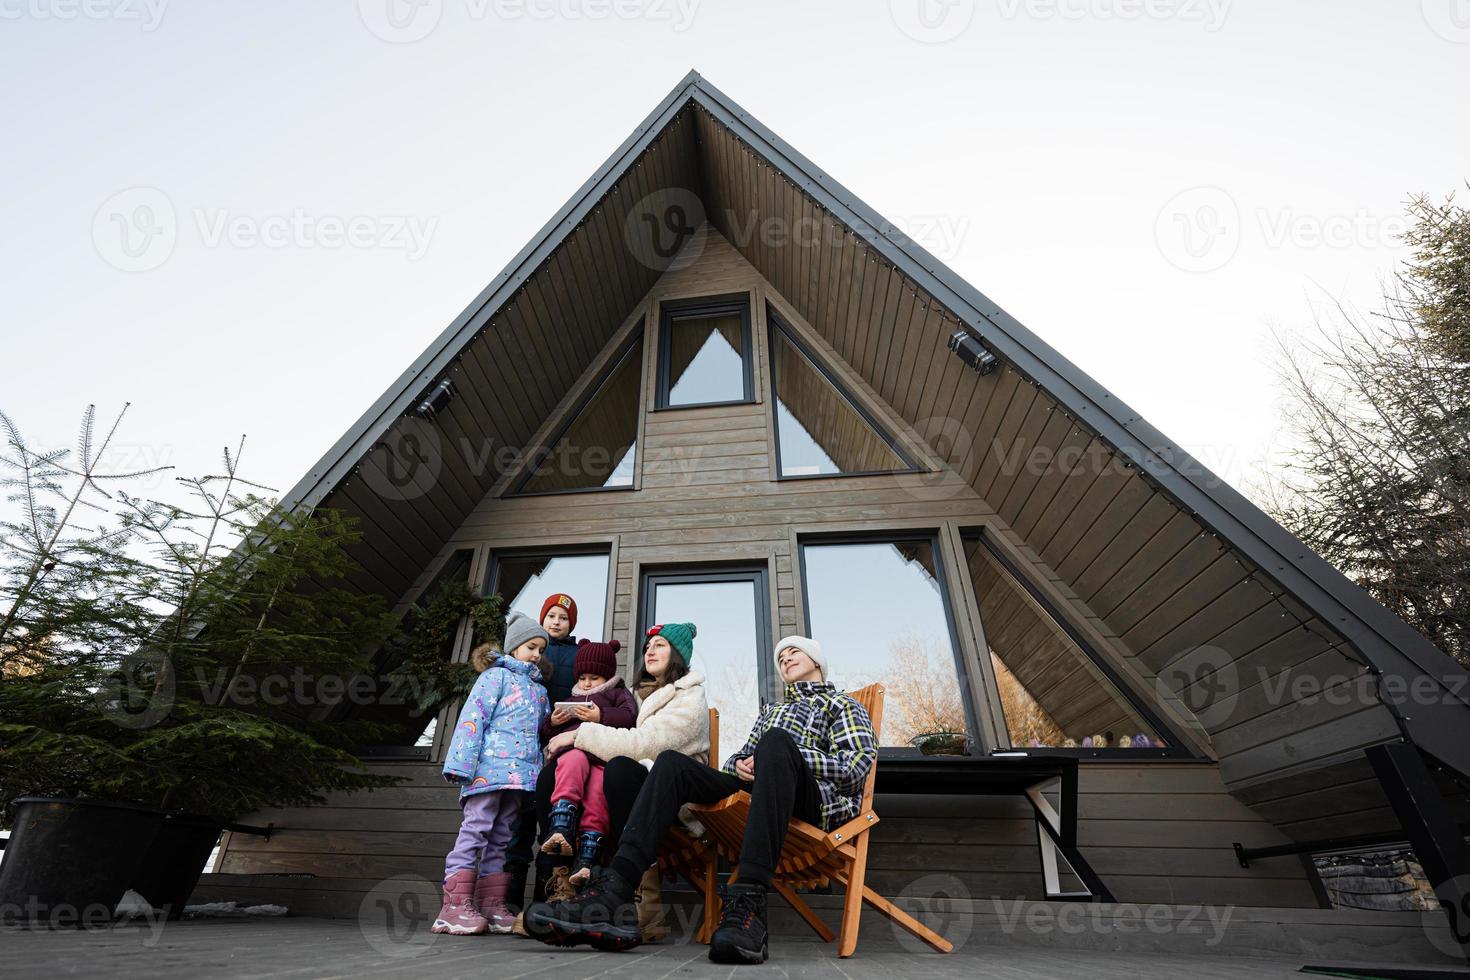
x=490, y=895
x=457, y=916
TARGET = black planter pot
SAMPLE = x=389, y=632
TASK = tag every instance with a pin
x=68, y=862
x=172, y=866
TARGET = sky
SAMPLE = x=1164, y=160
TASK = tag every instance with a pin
x=247, y=219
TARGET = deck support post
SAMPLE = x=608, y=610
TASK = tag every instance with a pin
x=1431, y=830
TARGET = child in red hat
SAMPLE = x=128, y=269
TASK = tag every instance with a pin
x=559, y=619
x=602, y=699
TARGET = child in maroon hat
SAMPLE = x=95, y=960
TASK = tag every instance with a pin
x=605, y=701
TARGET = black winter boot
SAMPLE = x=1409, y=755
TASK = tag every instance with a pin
x=741, y=936
x=602, y=915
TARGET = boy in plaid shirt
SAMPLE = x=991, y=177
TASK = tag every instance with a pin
x=807, y=757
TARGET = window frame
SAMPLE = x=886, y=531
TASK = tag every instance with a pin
x=901, y=535
x=775, y=322
x=1177, y=750
x=491, y=580
x=544, y=452
x=425, y=753
x=699, y=573
x=671, y=310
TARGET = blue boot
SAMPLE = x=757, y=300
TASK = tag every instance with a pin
x=563, y=829
x=589, y=849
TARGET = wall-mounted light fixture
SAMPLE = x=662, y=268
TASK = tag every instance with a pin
x=972, y=352
x=436, y=401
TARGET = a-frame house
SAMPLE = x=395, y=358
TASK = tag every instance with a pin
x=751, y=401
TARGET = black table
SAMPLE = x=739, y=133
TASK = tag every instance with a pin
x=1017, y=775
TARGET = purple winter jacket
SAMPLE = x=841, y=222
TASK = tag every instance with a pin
x=619, y=709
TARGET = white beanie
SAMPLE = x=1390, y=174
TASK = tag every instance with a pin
x=807, y=646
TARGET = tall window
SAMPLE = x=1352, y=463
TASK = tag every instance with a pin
x=732, y=612
x=878, y=607
x=705, y=353
x=409, y=730
x=597, y=449
x=1054, y=692
x=820, y=430
x=525, y=579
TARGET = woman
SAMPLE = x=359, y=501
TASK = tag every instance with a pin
x=673, y=713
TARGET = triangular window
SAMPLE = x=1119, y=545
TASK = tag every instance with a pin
x=704, y=353
x=597, y=449
x=820, y=430
x=1054, y=692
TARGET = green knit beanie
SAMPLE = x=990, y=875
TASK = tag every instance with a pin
x=680, y=637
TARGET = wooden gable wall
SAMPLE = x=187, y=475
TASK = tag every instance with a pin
x=1156, y=831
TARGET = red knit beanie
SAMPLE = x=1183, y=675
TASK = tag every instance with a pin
x=563, y=600
x=597, y=658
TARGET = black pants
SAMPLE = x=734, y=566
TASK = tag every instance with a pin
x=522, y=834
x=622, y=778
x=783, y=788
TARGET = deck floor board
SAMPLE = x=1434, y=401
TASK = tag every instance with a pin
x=322, y=948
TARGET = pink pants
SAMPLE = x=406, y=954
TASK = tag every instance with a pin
x=579, y=779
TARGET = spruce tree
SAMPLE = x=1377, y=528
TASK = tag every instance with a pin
x=195, y=656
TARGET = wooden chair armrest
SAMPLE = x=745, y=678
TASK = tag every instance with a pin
x=849, y=831
x=725, y=804
x=836, y=837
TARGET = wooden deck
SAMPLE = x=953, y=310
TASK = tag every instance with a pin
x=319, y=948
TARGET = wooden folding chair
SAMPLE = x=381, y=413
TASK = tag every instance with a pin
x=695, y=859
x=811, y=857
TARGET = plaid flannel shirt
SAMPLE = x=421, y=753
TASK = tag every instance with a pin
x=834, y=735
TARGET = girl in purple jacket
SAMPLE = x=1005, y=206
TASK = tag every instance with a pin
x=605, y=701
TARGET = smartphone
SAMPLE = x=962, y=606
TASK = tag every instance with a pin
x=569, y=706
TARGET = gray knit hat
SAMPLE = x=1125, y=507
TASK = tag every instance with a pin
x=519, y=628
